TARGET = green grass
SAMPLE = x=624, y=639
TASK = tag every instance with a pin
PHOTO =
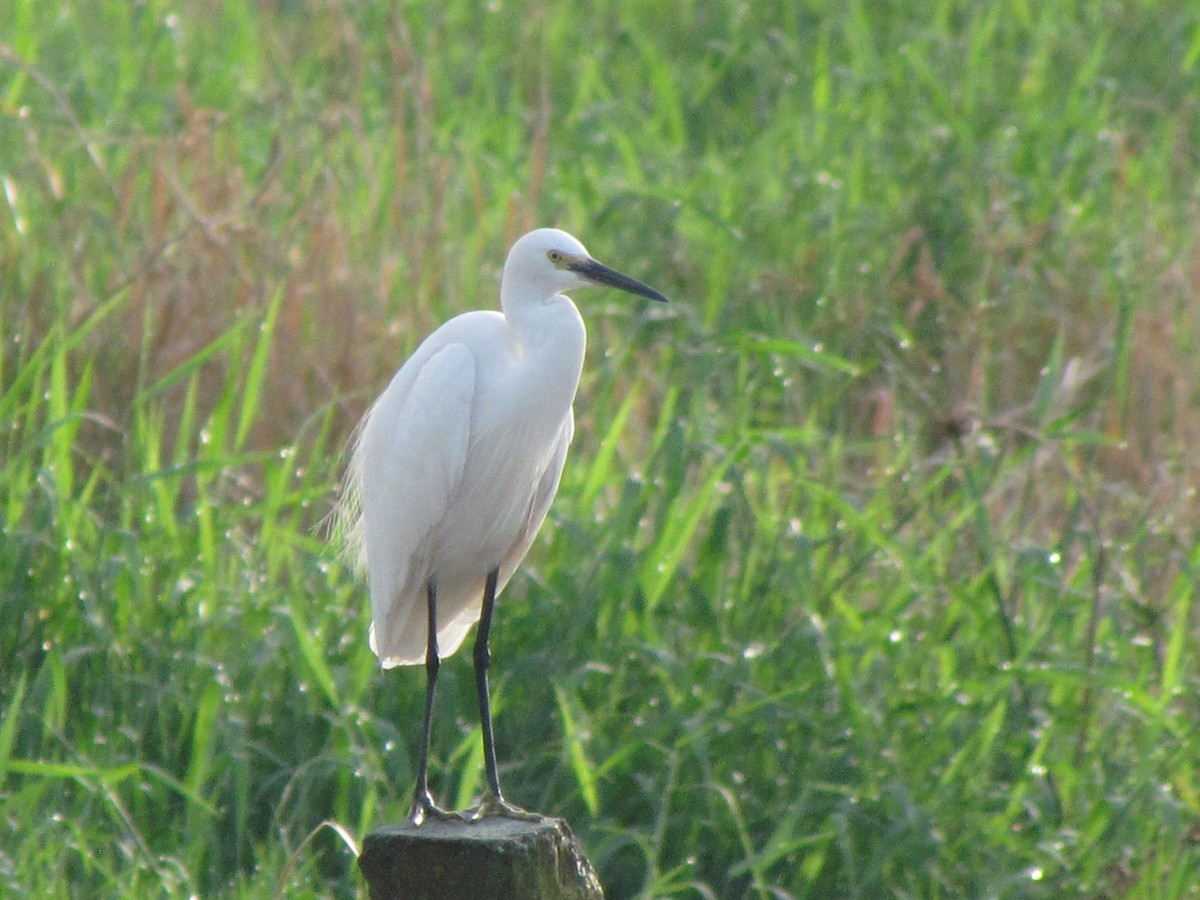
x=872, y=571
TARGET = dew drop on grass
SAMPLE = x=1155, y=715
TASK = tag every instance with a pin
x=389, y=746
x=896, y=636
x=1037, y=873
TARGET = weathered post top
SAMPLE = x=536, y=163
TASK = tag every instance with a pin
x=492, y=859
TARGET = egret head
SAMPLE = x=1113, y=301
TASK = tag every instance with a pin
x=548, y=261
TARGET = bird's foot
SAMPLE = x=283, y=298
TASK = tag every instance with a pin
x=424, y=808
x=492, y=806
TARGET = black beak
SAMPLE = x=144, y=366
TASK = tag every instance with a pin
x=602, y=274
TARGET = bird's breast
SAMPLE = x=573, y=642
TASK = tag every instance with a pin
x=521, y=417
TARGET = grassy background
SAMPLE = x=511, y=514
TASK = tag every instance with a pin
x=872, y=571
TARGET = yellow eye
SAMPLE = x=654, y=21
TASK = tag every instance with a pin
x=555, y=257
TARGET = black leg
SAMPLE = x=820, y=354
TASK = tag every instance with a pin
x=422, y=801
x=493, y=803
x=483, y=658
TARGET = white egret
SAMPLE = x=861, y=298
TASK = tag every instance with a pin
x=456, y=464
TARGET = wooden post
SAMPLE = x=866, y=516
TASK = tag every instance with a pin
x=492, y=859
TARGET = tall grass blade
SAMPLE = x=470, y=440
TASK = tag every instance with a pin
x=8, y=725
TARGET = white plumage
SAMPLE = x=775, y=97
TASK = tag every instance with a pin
x=458, y=471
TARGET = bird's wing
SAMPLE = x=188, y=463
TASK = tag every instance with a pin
x=410, y=459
